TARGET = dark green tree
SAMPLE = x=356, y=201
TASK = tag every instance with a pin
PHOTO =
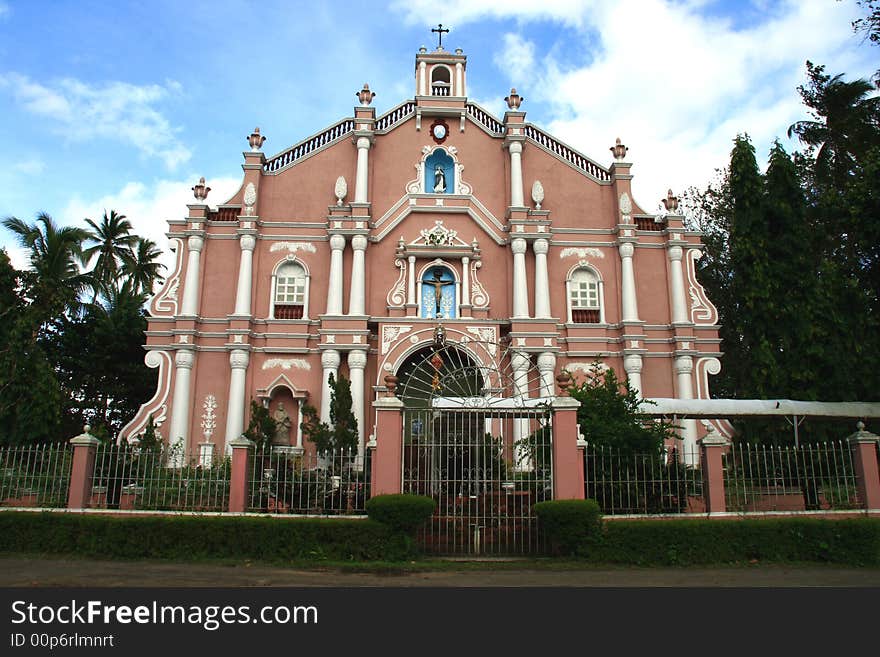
x=342, y=432
x=109, y=245
x=261, y=427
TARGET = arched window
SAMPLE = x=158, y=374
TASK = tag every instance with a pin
x=438, y=294
x=441, y=82
x=291, y=290
x=439, y=173
x=585, y=297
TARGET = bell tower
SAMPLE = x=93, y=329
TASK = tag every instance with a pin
x=440, y=74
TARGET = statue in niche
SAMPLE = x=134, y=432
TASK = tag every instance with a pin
x=282, y=426
x=437, y=284
x=439, y=180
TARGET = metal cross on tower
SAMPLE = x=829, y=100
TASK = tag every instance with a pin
x=439, y=30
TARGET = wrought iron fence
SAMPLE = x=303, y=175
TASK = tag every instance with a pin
x=35, y=476
x=486, y=468
x=128, y=478
x=336, y=483
x=655, y=483
x=808, y=477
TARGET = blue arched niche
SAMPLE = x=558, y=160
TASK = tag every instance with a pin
x=439, y=158
x=436, y=280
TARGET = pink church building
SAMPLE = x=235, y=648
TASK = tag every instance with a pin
x=344, y=253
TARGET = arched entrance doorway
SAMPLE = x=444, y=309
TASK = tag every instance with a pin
x=476, y=438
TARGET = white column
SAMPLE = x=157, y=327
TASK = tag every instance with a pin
x=299, y=421
x=330, y=364
x=238, y=363
x=459, y=79
x=423, y=69
x=465, y=281
x=516, y=185
x=520, y=285
x=245, y=275
x=179, y=429
x=411, y=284
x=274, y=281
x=357, y=361
x=360, y=183
x=679, y=306
x=632, y=365
x=190, y=304
x=684, y=368
x=547, y=369
x=542, y=279
x=334, y=283
x=520, y=363
x=358, y=276
x=628, y=283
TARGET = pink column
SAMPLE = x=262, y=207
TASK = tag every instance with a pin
x=712, y=448
x=568, y=462
x=386, y=471
x=864, y=450
x=79, y=493
x=238, y=480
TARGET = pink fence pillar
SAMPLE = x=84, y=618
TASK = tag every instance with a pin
x=864, y=450
x=238, y=479
x=712, y=448
x=386, y=471
x=568, y=462
x=85, y=446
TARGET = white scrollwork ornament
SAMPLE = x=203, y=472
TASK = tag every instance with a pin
x=537, y=194
x=340, y=190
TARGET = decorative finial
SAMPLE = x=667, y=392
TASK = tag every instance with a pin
x=537, y=194
x=255, y=139
x=514, y=100
x=365, y=95
x=391, y=384
x=340, y=190
x=670, y=202
x=859, y=425
x=619, y=150
x=87, y=428
x=200, y=191
x=563, y=380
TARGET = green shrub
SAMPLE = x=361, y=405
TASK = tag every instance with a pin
x=404, y=513
x=193, y=538
x=570, y=525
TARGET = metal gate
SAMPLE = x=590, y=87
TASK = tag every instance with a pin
x=478, y=440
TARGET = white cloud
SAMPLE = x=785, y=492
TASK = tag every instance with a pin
x=32, y=166
x=113, y=110
x=674, y=83
x=148, y=206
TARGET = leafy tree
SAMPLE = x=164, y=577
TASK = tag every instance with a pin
x=261, y=428
x=342, y=432
x=609, y=415
x=140, y=266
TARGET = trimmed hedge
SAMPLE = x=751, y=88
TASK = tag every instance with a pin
x=404, y=513
x=685, y=542
x=569, y=524
x=191, y=538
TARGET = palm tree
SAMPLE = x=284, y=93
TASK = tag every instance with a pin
x=110, y=242
x=847, y=122
x=140, y=266
x=55, y=281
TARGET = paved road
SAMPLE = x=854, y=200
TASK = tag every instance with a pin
x=82, y=572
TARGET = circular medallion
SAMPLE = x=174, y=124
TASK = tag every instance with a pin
x=439, y=130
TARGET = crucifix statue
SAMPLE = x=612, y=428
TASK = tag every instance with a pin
x=439, y=30
x=437, y=284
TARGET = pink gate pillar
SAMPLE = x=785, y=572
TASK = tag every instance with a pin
x=79, y=493
x=712, y=447
x=864, y=450
x=568, y=464
x=386, y=472
x=238, y=480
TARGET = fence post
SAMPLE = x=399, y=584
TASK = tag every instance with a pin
x=712, y=448
x=864, y=450
x=238, y=479
x=568, y=479
x=82, y=470
x=387, y=466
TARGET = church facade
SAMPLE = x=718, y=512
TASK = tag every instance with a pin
x=342, y=255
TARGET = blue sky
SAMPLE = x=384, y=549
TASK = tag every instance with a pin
x=124, y=105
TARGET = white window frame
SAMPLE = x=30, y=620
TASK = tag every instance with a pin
x=600, y=292
x=273, y=298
